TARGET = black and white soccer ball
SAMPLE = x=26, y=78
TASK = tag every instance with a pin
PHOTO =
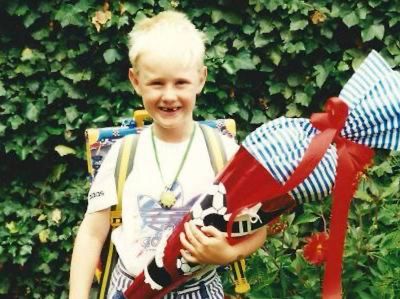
x=185, y=267
x=211, y=208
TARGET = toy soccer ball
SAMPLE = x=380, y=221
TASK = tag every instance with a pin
x=185, y=267
x=211, y=208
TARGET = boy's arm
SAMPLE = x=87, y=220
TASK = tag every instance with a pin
x=87, y=248
x=208, y=245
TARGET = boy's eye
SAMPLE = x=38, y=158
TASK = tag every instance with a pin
x=156, y=83
x=182, y=82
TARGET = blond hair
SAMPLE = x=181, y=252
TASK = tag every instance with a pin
x=170, y=32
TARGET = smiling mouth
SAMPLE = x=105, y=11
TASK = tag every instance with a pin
x=166, y=109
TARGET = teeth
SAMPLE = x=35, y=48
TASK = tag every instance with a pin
x=169, y=109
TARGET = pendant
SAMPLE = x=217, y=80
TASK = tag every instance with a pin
x=167, y=199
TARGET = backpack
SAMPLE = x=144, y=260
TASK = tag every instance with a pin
x=130, y=131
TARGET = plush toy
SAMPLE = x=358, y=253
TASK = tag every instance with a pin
x=287, y=162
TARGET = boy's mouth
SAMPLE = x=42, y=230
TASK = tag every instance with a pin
x=167, y=109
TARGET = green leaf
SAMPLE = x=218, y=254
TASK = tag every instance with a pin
x=275, y=56
x=243, y=61
x=327, y=32
x=2, y=90
x=306, y=218
x=295, y=47
x=298, y=25
x=139, y=16
x=244, y=114
x=122, y=21
x=382, y=168
x=247, y=29
x=272, y=5
x=30, y=18
x=321, y=74
x=229, y=17
x=217, y=51
x=27, y=54
x=165, y=4
x=259, y=117
x=292, y=110
x=100, y=119
x=351, y=19
x=374, y=31
x=64, y=150
x=67, y=15
x=266, y=26
x=238, y=44
x=356, y=62
x=16, y=121
x=71, y=113
x=302, y=99
x=25, y=250
x=391, y=240
x=32, y=112
x=2, y=129
x=343, y=66
x=276, y=88
x=5, y=285
x=20, y=9
x=260, y=40
x=287, y=92
x=76, y=76
x=273, y=111
x=295, y=80
x=391, y=190
x=131, y=7
x=232, y=107
x=59, y=169
x=257, y=5
x=111, y=55
x=83, y=6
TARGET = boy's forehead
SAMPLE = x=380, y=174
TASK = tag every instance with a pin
x=156, y=62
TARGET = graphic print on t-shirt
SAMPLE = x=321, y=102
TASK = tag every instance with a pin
x=156, y=219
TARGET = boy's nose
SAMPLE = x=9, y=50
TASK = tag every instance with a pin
x=169, y=94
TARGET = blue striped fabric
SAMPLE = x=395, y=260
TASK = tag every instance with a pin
x=373, y=96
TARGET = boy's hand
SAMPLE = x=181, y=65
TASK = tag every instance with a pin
x=207, y=245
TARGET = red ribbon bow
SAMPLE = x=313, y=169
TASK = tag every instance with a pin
x=352, y=159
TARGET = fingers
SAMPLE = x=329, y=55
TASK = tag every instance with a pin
x=187, y=256
x=194, y=235
x=185, y=243
x=211, y=231
x=203, y=245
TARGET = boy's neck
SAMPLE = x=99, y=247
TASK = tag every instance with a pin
x=174, y=135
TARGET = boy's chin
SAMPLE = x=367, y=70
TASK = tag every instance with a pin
x=173, y=121
x=172, y=125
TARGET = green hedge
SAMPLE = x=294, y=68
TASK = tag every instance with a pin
x=60, y=74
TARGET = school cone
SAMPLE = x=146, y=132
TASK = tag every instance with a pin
x=287, y=162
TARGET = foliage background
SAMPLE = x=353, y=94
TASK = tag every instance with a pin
x=60, y=75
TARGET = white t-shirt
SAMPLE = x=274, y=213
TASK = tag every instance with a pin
x=143, y=219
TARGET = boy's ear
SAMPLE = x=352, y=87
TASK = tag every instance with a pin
x=134, y=78
x=202, y=78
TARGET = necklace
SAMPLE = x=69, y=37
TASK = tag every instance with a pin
x=167, y=197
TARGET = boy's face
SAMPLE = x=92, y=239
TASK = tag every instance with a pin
x=168, y=89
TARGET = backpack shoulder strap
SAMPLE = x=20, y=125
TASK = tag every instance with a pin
x=123, y=167
x=126, y=156
x=215, y=147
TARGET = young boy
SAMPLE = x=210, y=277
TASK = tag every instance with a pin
x=171, y=167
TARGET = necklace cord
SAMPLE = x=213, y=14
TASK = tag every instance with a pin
x=183, y=158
